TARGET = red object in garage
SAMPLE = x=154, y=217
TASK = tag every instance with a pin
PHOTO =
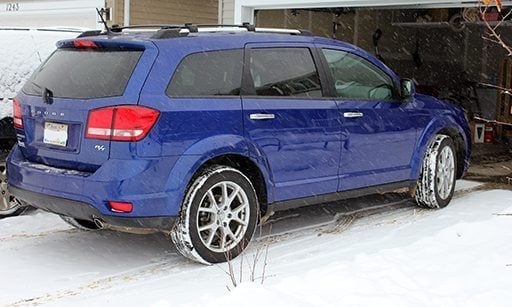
x=489, y=134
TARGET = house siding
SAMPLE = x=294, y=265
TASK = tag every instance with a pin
x=166, y=12
x=227, y=11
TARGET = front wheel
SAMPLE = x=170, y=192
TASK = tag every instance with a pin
x=437, y=179
x=218, y=216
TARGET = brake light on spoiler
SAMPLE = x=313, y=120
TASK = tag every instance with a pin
x=121, y=123
x=84, y=44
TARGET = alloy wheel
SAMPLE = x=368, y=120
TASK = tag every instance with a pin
x=445, y=172
x=223, y=216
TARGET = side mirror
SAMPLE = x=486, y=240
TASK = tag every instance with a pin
x=407, y=88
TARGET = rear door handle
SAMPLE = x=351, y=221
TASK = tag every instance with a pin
x=262, y=116
x=353, y=114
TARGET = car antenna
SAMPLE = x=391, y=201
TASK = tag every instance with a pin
x=104, y=22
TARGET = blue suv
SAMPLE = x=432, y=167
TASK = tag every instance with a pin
x=198, y=132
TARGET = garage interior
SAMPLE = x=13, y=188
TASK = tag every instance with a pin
x=446, y=50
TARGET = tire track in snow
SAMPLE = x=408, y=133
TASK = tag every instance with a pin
x=158, y=269
x=37, y=235
x=342, y=221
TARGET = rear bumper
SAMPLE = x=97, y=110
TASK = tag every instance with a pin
x=85, y=196
x=84, y=211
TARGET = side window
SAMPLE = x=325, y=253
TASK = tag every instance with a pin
x=284, y=72
x=356, y=78
x=213, y=73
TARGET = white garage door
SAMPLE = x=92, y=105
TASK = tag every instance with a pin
x=33, y=14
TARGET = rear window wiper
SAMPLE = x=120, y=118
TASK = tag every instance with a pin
x=46, y=93
x=47, y=96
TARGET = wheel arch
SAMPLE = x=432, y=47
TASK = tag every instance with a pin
x=230, y=150
x=7, y=134
x=245, y=165
x=460, y=148
x=449, y=127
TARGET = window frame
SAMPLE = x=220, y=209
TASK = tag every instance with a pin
x=331, y=83
x=248, y=89
x=166, y=91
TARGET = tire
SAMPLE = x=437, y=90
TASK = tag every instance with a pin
x=80, y=224
x=209, y=230
x=438, y=174
x=9, y=205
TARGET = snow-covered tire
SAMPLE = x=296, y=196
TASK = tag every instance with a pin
x=438, y=173
x=9, y=205
x=218, y=216
x=80, y=224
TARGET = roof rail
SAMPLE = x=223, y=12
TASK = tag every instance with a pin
x=173, y=30
x=284, y=31
x=117, y=28
x=245, y=26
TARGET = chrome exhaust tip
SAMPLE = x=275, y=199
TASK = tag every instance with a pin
x=99, y=223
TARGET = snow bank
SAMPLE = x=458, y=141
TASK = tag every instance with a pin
x=401, y=256
x=22, y=51
x=455, y=259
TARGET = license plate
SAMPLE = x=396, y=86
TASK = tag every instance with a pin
x=55, y=134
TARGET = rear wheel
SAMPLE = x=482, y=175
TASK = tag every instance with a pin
x=9, y=205
x=437, y=179
x=218, y=217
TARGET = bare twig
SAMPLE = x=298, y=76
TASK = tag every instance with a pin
x=502, y=20
x=251, y=265
x=496, y=37
x=491, y=40
x=504, y=90
x=241, y=269
x=492, y=121
x=266, y=257
x=231, y=272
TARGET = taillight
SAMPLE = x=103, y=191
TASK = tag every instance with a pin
x=18, y=121
x=120, y=123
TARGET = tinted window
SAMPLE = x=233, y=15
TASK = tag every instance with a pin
x=84, y=73
x=208, y=74
x=284, y=72
x=356, y=78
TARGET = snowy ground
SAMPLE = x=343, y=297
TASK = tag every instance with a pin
x=392, y=255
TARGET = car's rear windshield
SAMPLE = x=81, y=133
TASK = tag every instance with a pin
x=72, y=73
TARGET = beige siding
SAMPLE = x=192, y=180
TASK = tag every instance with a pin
x=228, y=11
x=174, y=11
x=166, y=11
x=117, y=11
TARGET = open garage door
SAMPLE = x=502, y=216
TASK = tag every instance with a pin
x=243, y=10
x=441, y=44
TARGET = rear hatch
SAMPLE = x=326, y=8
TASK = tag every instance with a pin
x=78, y=84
